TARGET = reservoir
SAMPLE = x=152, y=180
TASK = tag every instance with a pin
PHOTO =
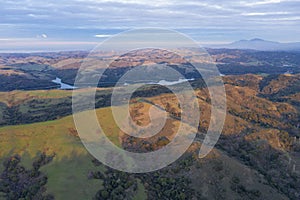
x=63, y=86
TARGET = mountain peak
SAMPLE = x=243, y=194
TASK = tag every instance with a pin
x=262, y=45
x=257, y=40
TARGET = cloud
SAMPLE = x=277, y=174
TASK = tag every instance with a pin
x=257, y=3
x=44, y=36
x=264, y=13
x=110, y=14
x=203, y=20
x=102, y=36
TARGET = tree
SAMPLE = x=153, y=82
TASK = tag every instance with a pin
x=17, y=182
x=116, y=185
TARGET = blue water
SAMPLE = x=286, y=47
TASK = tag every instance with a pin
x=166, y=83
x=63, y=86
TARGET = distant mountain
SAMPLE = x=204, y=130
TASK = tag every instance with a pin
x=261, y=45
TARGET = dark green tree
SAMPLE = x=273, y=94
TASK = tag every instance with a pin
x=17, y=182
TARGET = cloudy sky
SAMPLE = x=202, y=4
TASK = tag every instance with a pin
x=80, y=24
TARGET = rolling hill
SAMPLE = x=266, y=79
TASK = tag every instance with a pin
x=257, y=156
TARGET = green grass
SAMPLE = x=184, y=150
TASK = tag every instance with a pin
x=68, y=178
x=141, y=194
x=69, y=170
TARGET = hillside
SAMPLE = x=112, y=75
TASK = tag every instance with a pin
x=68, y=174
x=257, y=156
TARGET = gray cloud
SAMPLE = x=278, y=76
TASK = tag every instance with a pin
x=222, y=20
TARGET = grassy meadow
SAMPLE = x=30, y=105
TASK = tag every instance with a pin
x=68, y=172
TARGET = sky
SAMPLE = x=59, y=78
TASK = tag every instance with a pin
x=34, y=25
